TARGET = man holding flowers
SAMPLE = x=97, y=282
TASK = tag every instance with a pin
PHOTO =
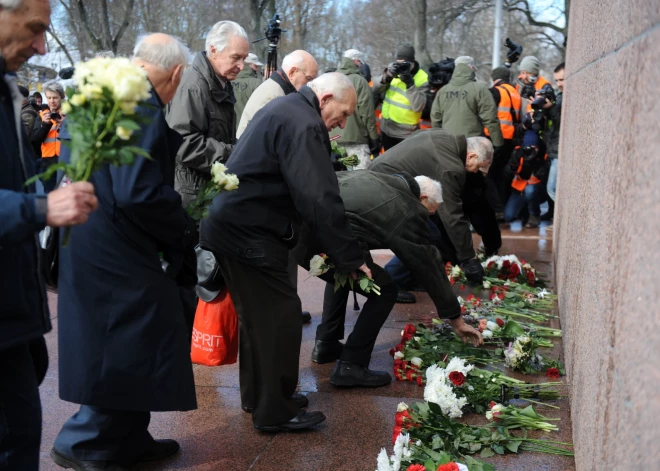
x=123, y=342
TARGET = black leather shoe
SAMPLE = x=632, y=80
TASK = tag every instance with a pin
x=160, y=449
x=347, y=374
x=405, y=297
x=302, y=421
x=306, y=317
x=326, y=351
x=72, y=463
x=301, y=399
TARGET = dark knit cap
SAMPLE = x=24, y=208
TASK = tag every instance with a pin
x=406, y=52
x=501, y=73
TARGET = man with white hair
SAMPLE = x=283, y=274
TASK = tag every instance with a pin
x=246, y=83
x=385, y=212
x=283, y=163
x=359, y=136
x=202, y=111
x=124, y=349
x=447, y=159
x=298, y=68
x=47, y=129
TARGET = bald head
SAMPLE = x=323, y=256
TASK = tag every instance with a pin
x=164, y=57
x=301, y=67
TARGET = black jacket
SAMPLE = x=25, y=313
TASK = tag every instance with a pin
x=551, y=137
x=23, y=309
x=202, y=111
x=385, y=213
x=283, y=163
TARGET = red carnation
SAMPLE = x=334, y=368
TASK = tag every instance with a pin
x=398, y=375
x=399, y=347
x=490, y=265
x=405, y=363
x=420, y=380
x=470, y=297
x=398, y=362
x=409, y=329
x=515, y=269
x=461, y=287
x=448, y=467
x=392, y=351
x=463, y=309
x=506, y=264
x=553, y=373
x=417, y=467
x=401, y=418
x=396, y=432
x=409, y=375
x=500, y=322
x=452, y=281
x=457, y=378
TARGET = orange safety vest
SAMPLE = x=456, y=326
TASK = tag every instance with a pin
x=51, y=146
x=508, y=110
x=518, y=183
x=540, y=83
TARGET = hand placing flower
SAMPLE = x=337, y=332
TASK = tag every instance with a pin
x=220, y=181
x=318, y=266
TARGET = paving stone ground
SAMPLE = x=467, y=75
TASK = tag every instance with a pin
x=220, y=436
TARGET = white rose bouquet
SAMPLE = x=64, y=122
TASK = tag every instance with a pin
x=318, y=265
x=101, y=119
x=220, y=181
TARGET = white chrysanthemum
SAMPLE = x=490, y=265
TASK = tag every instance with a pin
x=383, y=461
x=441, y=392
x=543, y=293
x=495, y=259
x=492, y=326
x=317, y=266
x=400, y=450
x=458, y=364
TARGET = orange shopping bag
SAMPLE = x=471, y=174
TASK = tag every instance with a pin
x=215, y=332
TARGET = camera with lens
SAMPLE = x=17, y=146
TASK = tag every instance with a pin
x=273, y=30
x=398, y=68
x=440, y=73
x=515, y=50
x=55, y=115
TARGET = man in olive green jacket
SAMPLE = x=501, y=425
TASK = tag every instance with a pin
x=465, y=107
x=246, y=83
x=359, y=136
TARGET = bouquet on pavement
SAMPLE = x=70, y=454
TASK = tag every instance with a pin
x=319, y=265
x=348, y=161
x=101, y=119
x=220, y=181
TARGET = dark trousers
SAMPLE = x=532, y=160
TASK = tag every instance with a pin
x=20, y=410
x=49, y=185
x=389, y=141
x=360, y=343
x=499, y=180
x=99, y=434
x=269, y=309
x=525, y=203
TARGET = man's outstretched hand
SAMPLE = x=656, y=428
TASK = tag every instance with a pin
x=466, y=333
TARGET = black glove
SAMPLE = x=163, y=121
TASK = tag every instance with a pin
x=336, y=164
x=473, y=270
x=374, y=147
x=387, y=76
x=407, y=78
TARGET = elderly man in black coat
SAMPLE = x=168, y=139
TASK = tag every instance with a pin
x=385, y=212
x=123, y=343
x=283, y=163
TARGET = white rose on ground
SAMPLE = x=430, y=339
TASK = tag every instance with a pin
x=492, y=326
x=416, y=361
x=398, y=355
x=402, y=406
x=487, y=334
x=456, y=271
x=487, y=285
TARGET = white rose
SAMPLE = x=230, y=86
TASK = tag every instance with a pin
x=489, y=415
x=416, y=361
x=128, y=107
x=66, y=107
x=487, y=285
x=232, y=182
x=398, y=355
x=317, y=266
x=460, y=300
x=497, y=408
x=487, y=334
x=78, y=99
x=123, y=133
x=492, y=326
x=456, y=271
x=402, y=407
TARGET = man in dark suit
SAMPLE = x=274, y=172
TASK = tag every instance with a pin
x=283, y=163
x=123, y=342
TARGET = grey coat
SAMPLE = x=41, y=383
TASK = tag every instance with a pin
x=202, y=111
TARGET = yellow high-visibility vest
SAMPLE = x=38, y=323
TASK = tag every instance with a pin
x=396, y=106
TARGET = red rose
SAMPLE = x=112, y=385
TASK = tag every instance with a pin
x=457, y=378
x=515, y=269
x=404, y=365
x=398, y=362
x=492, y=404
x=506, y=264
x=553, y=373
x=420, y=380
x=501, y=277
x=398, y=375
x=496, y=415
x=409, y=375
x=490, y=265
x=409, y=329
x=463, y=309
x=470, y=297
x=448, y=467
x=399, y=347
x=406, y=337
x=392, y=351
x=452, y=281
x=461, y=287
x=500, y=322
x=396, y=432
x=417, y=467
x=401, y=418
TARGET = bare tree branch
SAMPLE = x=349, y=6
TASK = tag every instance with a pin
x=124, y=25
x=59, y=43
x=530, y=18
x=85, y=21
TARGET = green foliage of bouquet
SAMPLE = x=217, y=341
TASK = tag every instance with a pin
x=220, y=181
x=319, y=265
x=348, y=161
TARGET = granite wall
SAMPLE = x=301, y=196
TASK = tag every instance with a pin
x=607, y=232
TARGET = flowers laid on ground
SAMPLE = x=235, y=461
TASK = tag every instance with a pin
x=220, y=181
x=348, y=161
x=320, y=265
x=100, y=119
x=508, y=267
x=510, y=417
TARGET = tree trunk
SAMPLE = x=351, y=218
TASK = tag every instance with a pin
x=421, y=53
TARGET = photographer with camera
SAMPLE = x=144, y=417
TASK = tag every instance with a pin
x=405, y=85
x=47, y=130
x=529, y=80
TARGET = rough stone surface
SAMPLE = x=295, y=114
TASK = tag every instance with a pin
x=606, y=250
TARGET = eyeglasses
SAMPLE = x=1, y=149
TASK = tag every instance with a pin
x=309, y=79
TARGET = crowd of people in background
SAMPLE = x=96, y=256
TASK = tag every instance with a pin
x=125, y=324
